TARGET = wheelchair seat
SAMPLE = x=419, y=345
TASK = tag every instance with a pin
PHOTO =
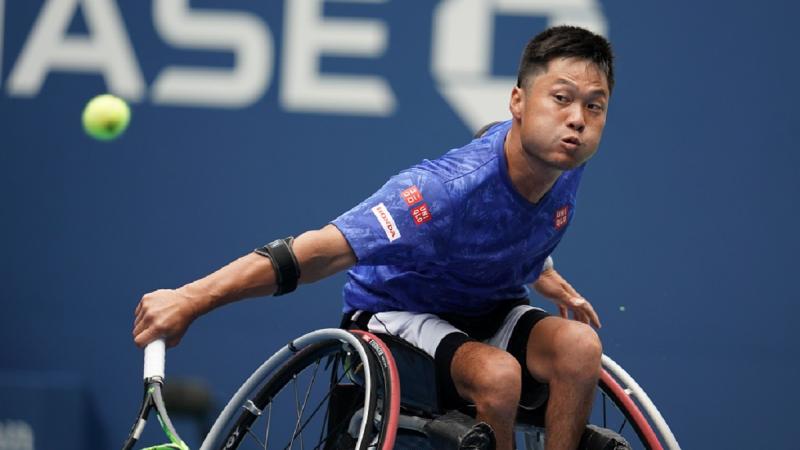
x=420, y=394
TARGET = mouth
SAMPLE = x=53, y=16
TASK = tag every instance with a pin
x=571, y=142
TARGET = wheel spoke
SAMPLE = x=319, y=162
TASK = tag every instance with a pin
x=305, y=401
x=253, y=435
x=624, y=422
x=297, y=410
x=266, y=432
x=314, y=412
x=323, y=427
x=330, y=434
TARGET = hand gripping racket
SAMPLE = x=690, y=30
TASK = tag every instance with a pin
x=153, y=380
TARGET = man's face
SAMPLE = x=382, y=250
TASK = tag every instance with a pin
x=561, y=112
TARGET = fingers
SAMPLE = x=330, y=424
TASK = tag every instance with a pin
x=173, y=341
x=576, y=305
x=138, y=327
x=144, y=337
x=144, y=330
x=139, y=312
x=146, y=327
x=594, y=318
x=149, y=329
x=583, y=311
x=161, y=314
x=563, y=311
x=139, y=322
x=589, y=314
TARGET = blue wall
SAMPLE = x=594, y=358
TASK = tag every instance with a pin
x=685, y=216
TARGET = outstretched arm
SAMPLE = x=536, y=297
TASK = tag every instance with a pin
x=169, y=312
x=554, y=287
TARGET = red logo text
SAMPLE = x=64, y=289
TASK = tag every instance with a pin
x=411, y=195
x=421, y=214
x=561, y=218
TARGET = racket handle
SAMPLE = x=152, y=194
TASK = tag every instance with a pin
x=154, y=359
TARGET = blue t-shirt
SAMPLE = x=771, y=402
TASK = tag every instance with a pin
x=452, y=234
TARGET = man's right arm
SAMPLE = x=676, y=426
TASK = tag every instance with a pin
x=168, y=313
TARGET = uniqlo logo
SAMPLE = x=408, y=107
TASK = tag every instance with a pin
x=411, y=195
x=561, y=218
x=421, y=214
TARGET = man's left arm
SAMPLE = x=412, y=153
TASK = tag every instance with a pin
x=555, y=288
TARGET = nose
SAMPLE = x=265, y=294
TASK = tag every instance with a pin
x=576, y=121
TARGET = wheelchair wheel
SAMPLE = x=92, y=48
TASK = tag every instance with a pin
x=329, y=389
x=641, y=421
x=621, y=410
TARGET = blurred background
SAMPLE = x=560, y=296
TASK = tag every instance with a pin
x=256, y=120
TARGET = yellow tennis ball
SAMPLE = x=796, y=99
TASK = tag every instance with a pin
x=105, y=117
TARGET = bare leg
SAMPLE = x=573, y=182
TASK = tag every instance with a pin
x=565, y=354
x=491, y=378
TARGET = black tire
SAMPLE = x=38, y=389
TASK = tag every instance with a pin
x=321, y=423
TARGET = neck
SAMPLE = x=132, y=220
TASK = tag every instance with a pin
x=530, y=176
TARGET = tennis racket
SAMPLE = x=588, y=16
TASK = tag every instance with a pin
x=153, y=380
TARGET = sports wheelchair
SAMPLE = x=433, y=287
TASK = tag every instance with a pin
x=336, y=389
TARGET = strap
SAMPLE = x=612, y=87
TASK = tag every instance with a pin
x=284, y=262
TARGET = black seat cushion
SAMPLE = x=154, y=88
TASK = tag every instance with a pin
x=419, y=393
x=417, y=372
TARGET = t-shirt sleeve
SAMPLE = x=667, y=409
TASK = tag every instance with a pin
x=406, y=222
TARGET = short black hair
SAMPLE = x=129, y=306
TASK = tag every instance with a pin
x=566, y=41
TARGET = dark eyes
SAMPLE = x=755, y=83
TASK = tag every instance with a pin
x=564, y=99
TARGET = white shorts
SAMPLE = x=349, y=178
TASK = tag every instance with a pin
x=425, y=331
x=440, y=335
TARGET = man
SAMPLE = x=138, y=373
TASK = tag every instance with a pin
x=441, y=254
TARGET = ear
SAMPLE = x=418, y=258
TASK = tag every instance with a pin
x=517, y=103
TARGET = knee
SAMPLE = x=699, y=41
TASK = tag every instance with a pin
x=499, y=384
x=578, y=351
